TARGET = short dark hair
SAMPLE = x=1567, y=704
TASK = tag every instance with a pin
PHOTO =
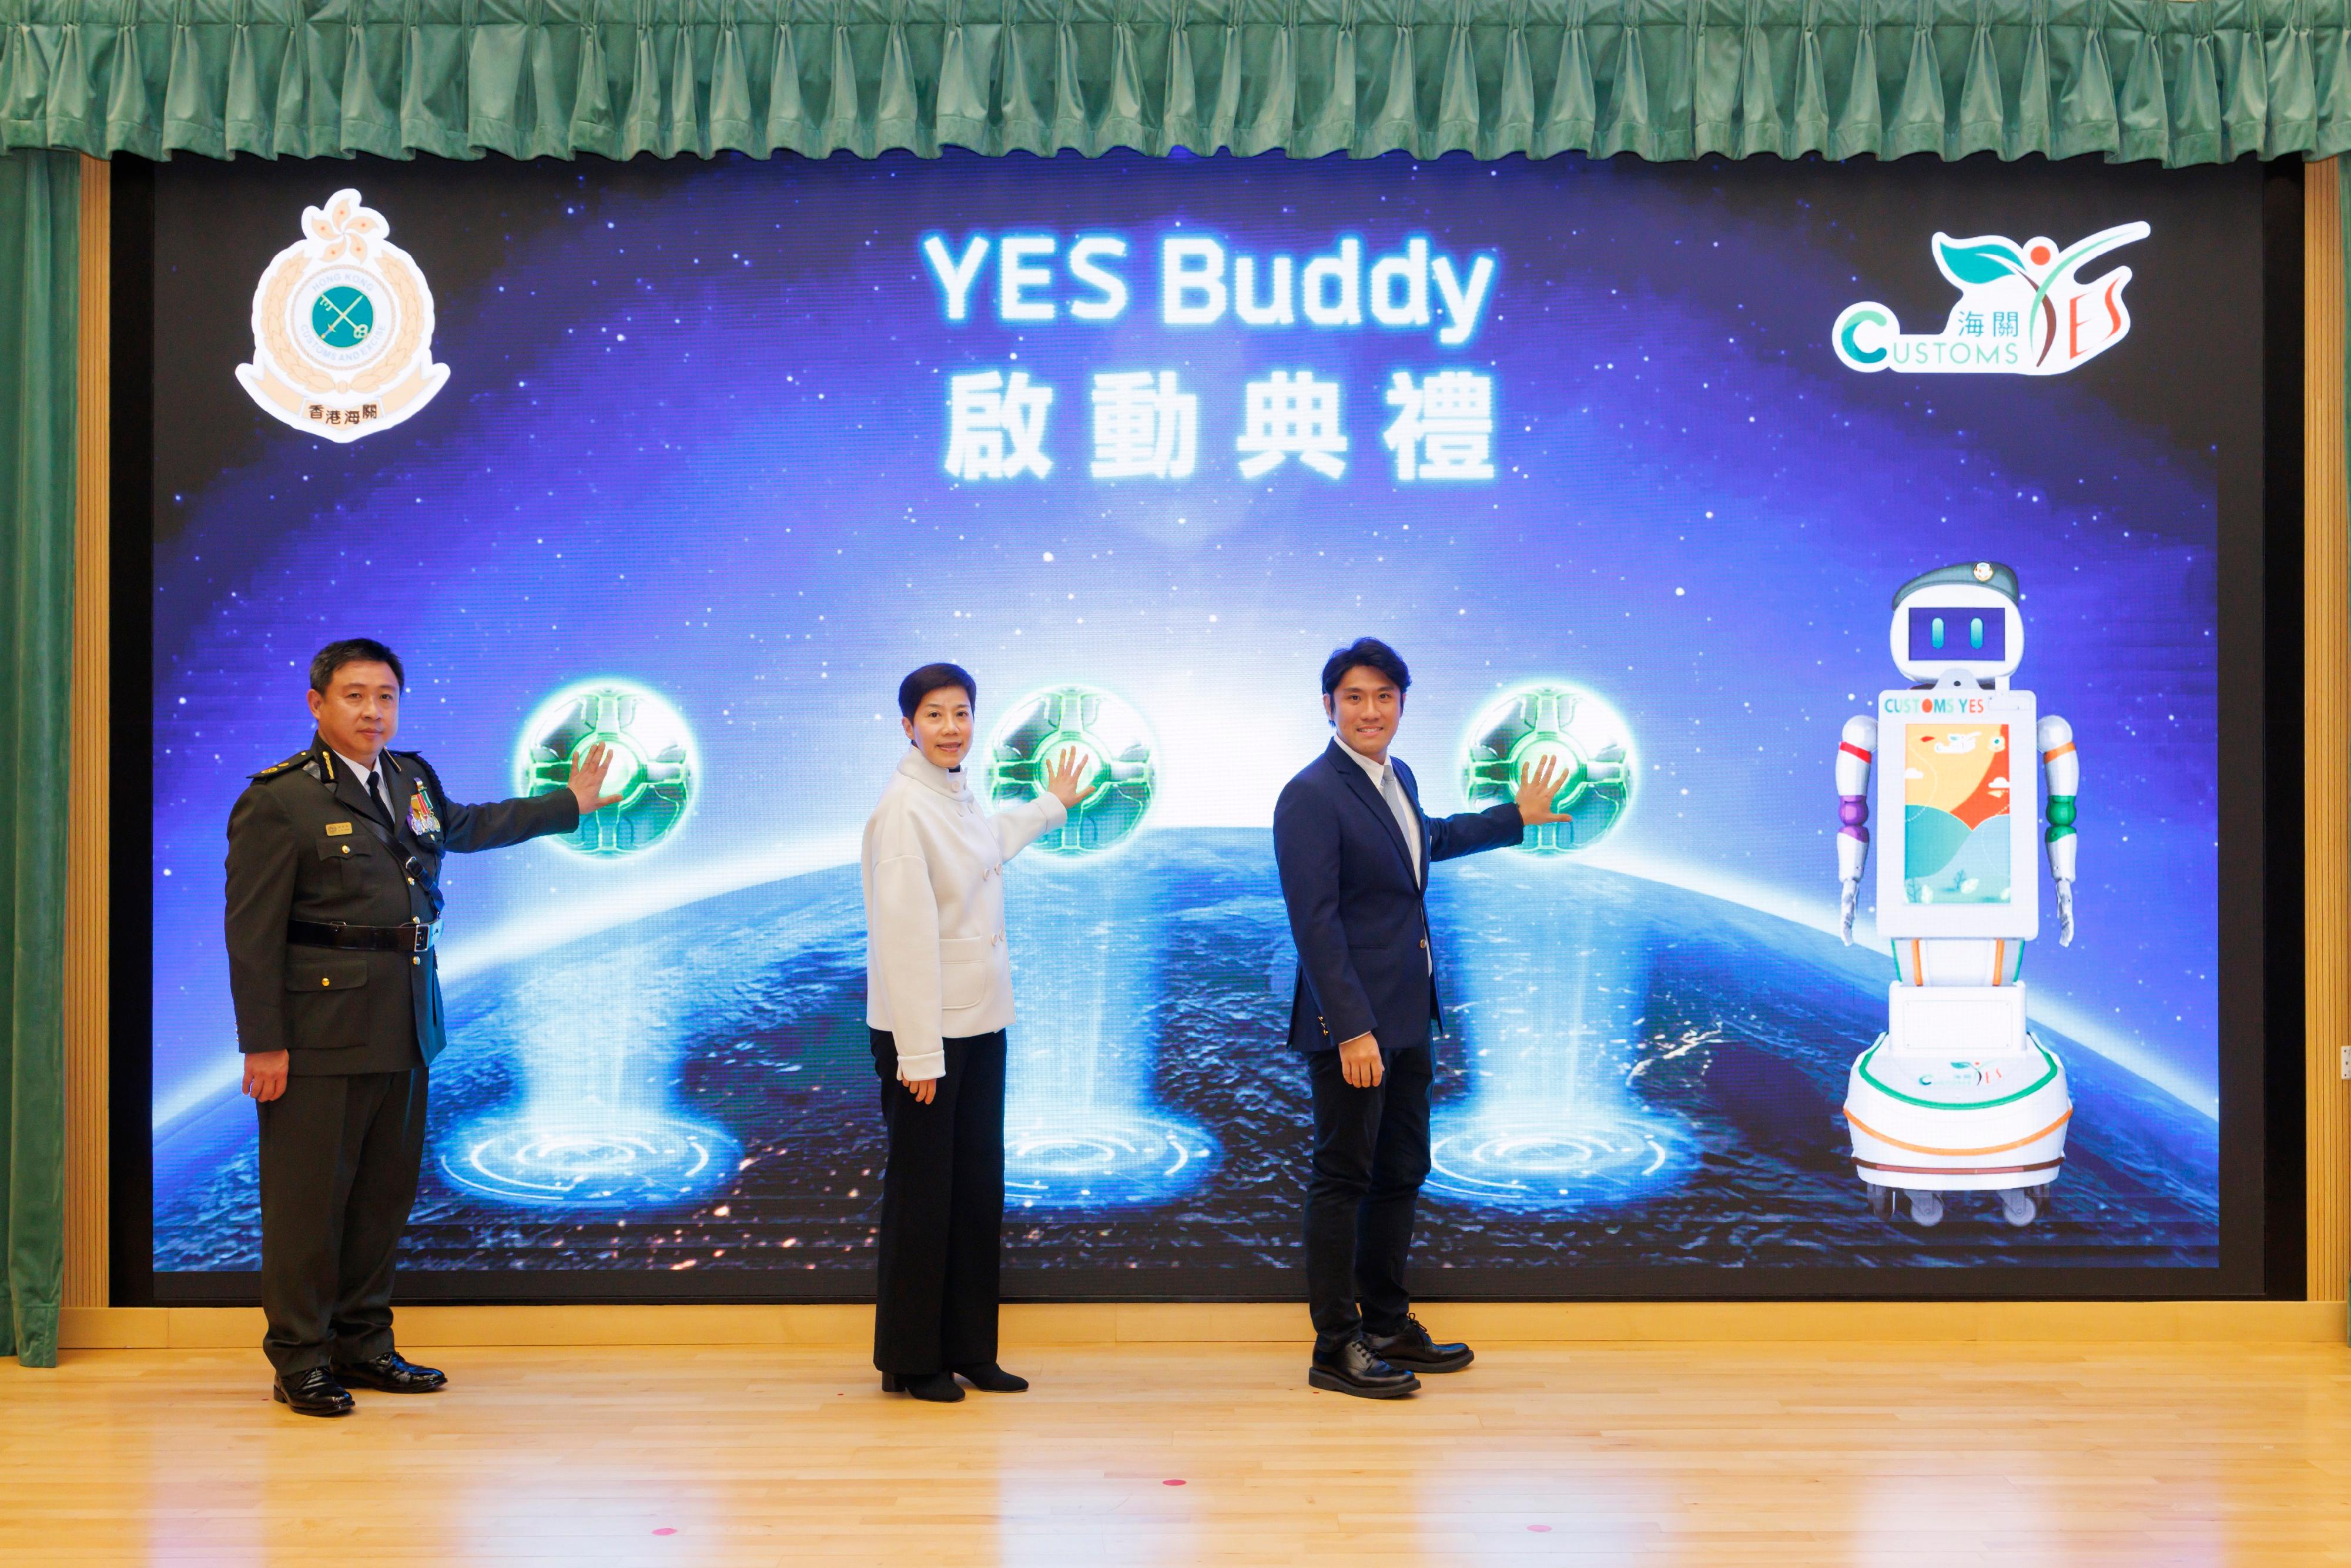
x=934, y=677
x=353, y=651
x=1364, y=651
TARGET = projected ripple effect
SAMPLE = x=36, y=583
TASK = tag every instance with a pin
x=633, y=1160
x=1099, y=1156
x=1524, y=1162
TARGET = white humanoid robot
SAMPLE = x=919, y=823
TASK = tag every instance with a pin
x=1957, y=1095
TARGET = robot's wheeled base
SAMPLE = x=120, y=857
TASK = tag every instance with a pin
x=2020, y=1205
x=1925, y=1125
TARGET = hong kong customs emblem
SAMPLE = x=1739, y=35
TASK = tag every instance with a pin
x=342, y=328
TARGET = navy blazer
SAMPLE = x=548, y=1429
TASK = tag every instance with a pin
x=1357, y=912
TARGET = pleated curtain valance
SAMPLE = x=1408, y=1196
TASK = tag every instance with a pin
x=2182, y=81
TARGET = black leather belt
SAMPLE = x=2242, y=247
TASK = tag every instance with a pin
x=414, y=937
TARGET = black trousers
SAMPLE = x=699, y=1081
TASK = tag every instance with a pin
x=942, y=1211
x=1371, y=1154
x=338, y=1160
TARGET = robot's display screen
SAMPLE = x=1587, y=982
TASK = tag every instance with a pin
x=1974, y=633
x=700, y=458
x=1956, y=824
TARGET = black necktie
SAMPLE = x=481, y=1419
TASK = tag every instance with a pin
x=377, y=799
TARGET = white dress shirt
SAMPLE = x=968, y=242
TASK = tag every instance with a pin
x=1391, y=789
x=382, y=796
x=936, y=968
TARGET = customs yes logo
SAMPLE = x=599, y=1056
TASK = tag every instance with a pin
x=2023, y=310
x=342, y=328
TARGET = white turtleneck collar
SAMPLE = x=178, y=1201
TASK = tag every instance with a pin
x=951, y=782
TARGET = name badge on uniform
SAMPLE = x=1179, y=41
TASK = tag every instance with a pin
x=422, y=819
x=336, y=830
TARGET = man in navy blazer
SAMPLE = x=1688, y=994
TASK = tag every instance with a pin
x=1354, y=850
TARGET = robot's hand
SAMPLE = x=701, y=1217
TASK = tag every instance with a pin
x=2065, y=913
x=1847, y=902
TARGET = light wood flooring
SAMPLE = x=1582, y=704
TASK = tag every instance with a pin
x=2011, y=1455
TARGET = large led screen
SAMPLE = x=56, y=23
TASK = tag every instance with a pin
x=1627, y=460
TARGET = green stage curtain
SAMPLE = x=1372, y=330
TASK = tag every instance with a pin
x=38, y=288
x=2185, y=81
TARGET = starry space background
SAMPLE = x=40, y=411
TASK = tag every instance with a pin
x=694, y=430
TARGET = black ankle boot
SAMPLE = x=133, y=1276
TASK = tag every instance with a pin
x=990, y=1378
x=939, y=1387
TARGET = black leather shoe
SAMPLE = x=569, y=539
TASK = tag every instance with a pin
x=939, y=1387
x=1354, y=1369
x=392, y=1373
x=990, y=1378
x=311, y=1393
x=1412, y=1348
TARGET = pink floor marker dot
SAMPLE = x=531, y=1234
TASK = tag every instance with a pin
x=666, y=1530
x=1540, y=1529
x=1170, y=1483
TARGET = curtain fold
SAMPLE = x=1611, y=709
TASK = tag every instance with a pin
x=39, y=243
x=2194, y=82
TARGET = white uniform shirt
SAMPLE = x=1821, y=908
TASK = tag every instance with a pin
x=382, y=786
x=933, y=866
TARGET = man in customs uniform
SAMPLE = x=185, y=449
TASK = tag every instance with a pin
x=334, y=916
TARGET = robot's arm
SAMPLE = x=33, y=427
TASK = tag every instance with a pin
x=2061, y=769
x=1855, y=753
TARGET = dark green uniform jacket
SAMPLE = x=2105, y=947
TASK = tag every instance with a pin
x=304, y=844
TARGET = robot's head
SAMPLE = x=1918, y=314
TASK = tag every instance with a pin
x=1958, y=620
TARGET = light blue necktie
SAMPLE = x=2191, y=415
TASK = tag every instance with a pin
x=1393, y=791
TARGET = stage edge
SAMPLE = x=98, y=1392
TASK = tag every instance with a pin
x=850, y=1328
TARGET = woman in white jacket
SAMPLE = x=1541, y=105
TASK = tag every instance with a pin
x=938, y=998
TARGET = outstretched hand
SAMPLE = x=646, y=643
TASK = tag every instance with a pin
x=1537, y=786
x=588, y=780
x=1063, y=783
x=1848, y=905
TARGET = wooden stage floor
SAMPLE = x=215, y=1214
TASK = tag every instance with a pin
x=1696, y=1454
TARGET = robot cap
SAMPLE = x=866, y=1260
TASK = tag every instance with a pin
x=1992, y=574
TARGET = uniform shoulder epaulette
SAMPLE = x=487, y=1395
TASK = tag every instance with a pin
x=277, y=769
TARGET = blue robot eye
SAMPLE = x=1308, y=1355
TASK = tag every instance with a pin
x=1930, y=635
